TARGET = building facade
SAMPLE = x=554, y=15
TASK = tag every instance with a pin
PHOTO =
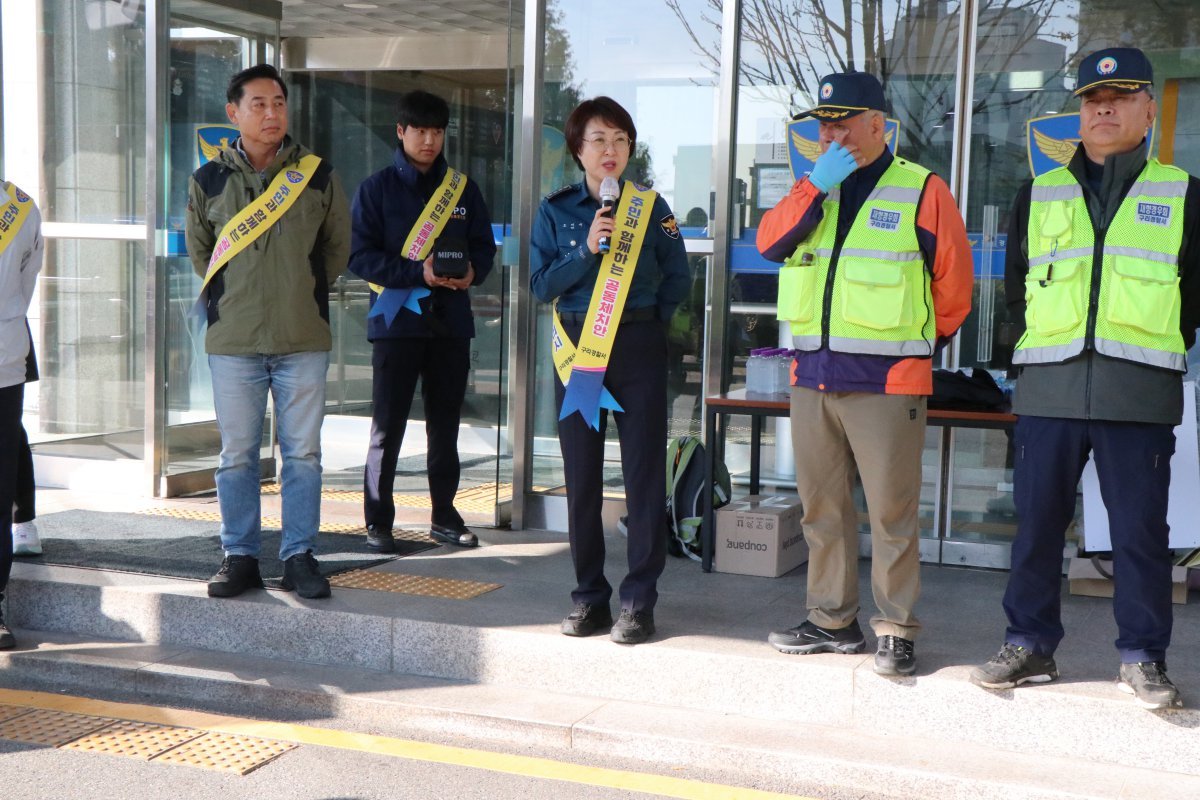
x=108, y=106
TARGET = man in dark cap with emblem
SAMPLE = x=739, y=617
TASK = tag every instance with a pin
x=877, y=275
x=1102, y=271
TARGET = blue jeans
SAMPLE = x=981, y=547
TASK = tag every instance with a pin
x=296, y=382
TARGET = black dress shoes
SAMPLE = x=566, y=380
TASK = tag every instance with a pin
x=587, y=619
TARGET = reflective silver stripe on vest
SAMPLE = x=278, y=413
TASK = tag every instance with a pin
x=881, y=255
x=834, y=195
x=1048, y=194
x=1048, y=355
x=874, y=347
x=807, y=343
x=1176, y=362
x=1070, y=252
x=824, y=252
x=1169, y=189
x=1146, y=255
x=895, y=194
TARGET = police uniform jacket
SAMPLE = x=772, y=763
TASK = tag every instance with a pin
x=273, y=297
x=1094, y=386
x=385, y=209
x=563, y=267
x=19, y=265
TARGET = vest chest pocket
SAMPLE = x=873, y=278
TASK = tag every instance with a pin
x=875, y=293
x=797, y=291
x=1054, y=296
x=1142, y=294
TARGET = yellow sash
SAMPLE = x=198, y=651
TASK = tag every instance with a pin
x=263, y=212
x=589, y=359
x=13, y=213
x=433, y=219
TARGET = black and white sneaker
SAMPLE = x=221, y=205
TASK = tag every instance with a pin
x=1012, y=666
x=809, y=638
x=895, y=656
x=1148, y=683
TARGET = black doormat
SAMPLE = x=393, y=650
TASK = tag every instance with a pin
x=183, y=548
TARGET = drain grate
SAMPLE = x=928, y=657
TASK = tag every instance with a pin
x=139, y=740
x=448, y=588
x=226, y=752
x=54, y=728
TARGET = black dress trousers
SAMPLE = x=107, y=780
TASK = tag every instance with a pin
x=442, y=365
x=637, y=378
x=11, y=398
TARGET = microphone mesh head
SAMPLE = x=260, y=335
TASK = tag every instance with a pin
x=610, y=188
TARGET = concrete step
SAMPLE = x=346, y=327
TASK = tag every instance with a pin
x=706, y=664
x=817, y=760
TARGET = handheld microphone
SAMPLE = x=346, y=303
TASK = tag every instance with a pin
x=610, y=190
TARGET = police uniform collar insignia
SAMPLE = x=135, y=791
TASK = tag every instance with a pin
x=560, y=191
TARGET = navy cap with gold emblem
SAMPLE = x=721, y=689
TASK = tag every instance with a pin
x=1125, y=69
x=846, y=94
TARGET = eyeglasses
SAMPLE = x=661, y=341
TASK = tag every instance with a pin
x=600, y=144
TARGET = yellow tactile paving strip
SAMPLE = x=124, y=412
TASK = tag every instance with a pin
x=178, y=512
x=480, y=499
x=424, y=586
x=567, y=774
x=146, y=741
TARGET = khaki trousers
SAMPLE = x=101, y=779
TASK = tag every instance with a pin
x=883, y=435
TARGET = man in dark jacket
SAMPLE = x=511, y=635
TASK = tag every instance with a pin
x=1103, y=269
x=267, y=230
x=421, y=236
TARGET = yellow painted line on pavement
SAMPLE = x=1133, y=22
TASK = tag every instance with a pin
x=526, y=766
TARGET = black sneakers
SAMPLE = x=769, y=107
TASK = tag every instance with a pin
x=808, y=638
x=1012, y=666
x=1148, y=683
x=236, y=575
x=895, y=656
x=586, y=619
x=633, y=627
x=7, y=640
x=300, y=572
x=457, y=535
x=380, y=540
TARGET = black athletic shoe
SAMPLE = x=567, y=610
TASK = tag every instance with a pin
x=586, y=619
x=809, y=638
x=300, y=572
x=7, y=640
x=457, y=535
x=633, y=627
x=1149, y=685
x=895, y=656
x=1012, y=666
x=380, y=540
x=236, y=575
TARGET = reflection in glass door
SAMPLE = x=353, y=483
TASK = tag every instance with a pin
x=207, y=45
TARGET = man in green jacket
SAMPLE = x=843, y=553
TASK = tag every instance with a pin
x=268, y=228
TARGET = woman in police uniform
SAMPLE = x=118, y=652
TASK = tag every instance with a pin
x=566, y=265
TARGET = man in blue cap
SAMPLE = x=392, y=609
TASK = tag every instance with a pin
x=1103, y=268
x=877, y=274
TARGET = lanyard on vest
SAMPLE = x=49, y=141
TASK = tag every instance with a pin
x=425, y=231
x=247, y=225
x=581, y=368
x=13, y=213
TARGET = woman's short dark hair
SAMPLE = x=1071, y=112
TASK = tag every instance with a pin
x=608, y=111
x=422, y=109
x=237, y=84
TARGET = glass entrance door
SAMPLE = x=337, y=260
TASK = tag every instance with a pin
x=207, y=44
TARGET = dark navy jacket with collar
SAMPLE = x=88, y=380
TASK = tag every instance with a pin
x=385, y=208
x=562, y=266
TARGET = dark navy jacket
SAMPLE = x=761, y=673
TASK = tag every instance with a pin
x=562, y=266
x=385, y=208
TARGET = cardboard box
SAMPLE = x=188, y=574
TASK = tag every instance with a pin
x=760, y=535
x=1084, y=579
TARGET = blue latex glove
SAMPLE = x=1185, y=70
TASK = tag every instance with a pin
x=834, y=165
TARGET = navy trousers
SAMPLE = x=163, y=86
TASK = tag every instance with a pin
x=1133, y=461
x=637, y=378
x=11, y=398
x=442, y=365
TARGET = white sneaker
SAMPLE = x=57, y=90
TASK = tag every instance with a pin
x=25, y=539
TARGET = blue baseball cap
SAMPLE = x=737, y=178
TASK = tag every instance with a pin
x=1125, y=69
x=846, y=94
